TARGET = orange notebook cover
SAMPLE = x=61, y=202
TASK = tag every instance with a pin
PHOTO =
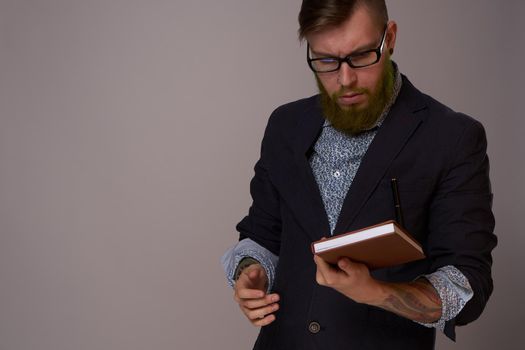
x=382, y=245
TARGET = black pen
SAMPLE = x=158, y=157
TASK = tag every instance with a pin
x=397, y=203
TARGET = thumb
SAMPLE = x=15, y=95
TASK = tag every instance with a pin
x=253, y=272
x=257, y=276
x=346, y=265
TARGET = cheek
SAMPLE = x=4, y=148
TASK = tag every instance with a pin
x=330, y=84
x=370, y=79
x=370, y=85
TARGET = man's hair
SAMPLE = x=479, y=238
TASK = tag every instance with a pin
x=318, y=15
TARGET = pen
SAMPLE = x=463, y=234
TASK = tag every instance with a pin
x=397, y=203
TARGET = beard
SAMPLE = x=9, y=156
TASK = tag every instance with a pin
x=354, y=119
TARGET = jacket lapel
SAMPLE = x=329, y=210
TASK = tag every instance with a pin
x=396, y=130
x=306, y=199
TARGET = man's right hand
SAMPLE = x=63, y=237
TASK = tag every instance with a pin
x=250, y=294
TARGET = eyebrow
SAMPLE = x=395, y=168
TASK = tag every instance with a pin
x=359, y=49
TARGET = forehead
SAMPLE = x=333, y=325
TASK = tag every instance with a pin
x=357, y=33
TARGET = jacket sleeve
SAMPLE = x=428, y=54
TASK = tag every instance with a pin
x=263, y=222
x=461, y=221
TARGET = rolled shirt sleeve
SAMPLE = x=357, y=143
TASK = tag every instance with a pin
x=454, y=290
x=247, y=248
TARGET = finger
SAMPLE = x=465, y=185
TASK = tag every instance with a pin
x=319, y=277
x=327, y=275
x=257, y=303
x=330, y=269
x=246, y=293
x=322, y=266
x=261, y=313
x=264, y=321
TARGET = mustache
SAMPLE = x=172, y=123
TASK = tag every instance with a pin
x=346, y=91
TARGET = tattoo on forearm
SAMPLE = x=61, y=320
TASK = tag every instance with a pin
x=418, y=301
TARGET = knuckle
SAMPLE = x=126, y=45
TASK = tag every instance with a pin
x=247, y=314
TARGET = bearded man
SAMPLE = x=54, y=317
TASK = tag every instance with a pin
x=325, y=169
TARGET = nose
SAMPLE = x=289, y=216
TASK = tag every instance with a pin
x=347, y=76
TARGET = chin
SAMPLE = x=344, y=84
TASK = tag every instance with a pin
x=354, y=108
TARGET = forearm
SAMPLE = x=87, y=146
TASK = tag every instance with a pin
x=417, y=300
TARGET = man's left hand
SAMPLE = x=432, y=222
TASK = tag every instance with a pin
x=349, y=278
x=416, y=300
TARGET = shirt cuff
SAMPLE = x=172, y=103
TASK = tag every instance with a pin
x=454, y=290
x=247, y=248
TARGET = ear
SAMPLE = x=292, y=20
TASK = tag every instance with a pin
x=391, y=33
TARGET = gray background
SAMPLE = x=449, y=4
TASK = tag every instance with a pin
x=128, y=134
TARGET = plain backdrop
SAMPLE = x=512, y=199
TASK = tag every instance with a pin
x=128, y=134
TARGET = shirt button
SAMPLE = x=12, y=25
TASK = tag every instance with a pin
x=337, y=174
x=314, y=327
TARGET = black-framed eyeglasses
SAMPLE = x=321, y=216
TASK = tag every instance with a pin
x=356, y=60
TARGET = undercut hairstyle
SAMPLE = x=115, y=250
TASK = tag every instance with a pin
x=319, y=15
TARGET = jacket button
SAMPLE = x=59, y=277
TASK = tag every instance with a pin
x=314, y=327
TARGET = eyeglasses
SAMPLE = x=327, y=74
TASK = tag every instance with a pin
x=355, y=60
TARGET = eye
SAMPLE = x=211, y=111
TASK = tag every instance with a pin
x=364, y=58
x=325, y=64
x=327, y=60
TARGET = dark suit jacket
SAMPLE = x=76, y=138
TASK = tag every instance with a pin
x=439, y=158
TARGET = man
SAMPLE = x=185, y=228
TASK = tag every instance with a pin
x=325, y=169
